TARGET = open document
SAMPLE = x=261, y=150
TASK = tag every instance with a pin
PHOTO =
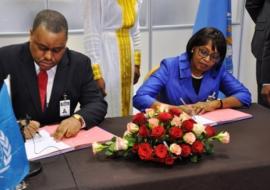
x=43, y=145
x=221, y=116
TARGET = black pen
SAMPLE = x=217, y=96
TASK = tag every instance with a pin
x=27, y=121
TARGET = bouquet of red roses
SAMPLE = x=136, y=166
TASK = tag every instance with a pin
x=163, y=136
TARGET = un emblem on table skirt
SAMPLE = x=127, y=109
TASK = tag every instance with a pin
x=5, y=153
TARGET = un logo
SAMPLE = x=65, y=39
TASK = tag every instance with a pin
x=5, y=153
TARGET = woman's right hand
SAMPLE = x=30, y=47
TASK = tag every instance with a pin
x=188, y=109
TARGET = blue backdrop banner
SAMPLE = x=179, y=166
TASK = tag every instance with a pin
x=217, y=13
x=14, y=165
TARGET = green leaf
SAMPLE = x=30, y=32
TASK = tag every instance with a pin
x=108, y=153
x=131, y=140
x=125, y=154
x=112, y=147
x=108, y=143
x=209, y=147
x=200, y=137
x=194, y=158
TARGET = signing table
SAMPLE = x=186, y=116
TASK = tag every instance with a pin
x=242, y=164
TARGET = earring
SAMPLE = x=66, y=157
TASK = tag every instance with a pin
x=192, y=51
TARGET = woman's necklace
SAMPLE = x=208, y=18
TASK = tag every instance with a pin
x=195, y=77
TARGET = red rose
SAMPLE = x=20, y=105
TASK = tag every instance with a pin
x=161, y=151
x=145, y=151
x=169, y=160
x=175, y=132
x=143, y=131
x=139, y=119
x=197, y=147
x=186, y=150
x=210, y=131
x=164, y=117
x=135, y=148
x=175, y=111
x=187, y=125
x=157, y=132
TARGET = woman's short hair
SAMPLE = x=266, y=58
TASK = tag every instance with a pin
x=203, y=36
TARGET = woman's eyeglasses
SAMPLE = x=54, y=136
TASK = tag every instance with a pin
x=203, y=52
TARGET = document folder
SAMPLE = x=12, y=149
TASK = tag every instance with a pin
x=45, y=146
x=221, y=116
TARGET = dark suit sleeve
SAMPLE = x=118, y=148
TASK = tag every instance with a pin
x=3, y=69
x=1, y=84
x=265, y=67
x=254, y=7
x=93, y=106
x=259, y=11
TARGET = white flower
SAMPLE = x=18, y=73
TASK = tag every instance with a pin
x=163, y=108
x=132, y=127
x=175, y=149
x=223, y=137
x=189, y=138
x=176, y=121
x=153, y=122
x=127, y=134
x=184, y=116
x=198, y=129
x=97, y=147
x=120, y=144
x=150, y=112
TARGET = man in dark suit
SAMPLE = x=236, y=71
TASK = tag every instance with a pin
x=259, y=11
x=67, y=74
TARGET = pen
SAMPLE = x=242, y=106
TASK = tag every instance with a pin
x=38, y=133
x=183, y=102
x=190, y=111
x=27, y=121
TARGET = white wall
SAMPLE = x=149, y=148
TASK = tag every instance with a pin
x=248, y=62
x=172, y=42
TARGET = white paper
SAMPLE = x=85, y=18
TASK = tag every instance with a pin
x=221, y=116
x=43, y=146
x=204, y=121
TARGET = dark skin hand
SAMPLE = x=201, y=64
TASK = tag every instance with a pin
x=30, y=129
x=266, y=94
x=137, y=74
x=101, y=85
x=67, y=128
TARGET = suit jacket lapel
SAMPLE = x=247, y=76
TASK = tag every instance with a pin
x=29, y=72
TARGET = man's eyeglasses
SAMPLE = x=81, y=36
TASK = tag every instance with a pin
x=203, y=52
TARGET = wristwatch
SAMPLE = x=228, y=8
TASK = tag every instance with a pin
x=79, y=118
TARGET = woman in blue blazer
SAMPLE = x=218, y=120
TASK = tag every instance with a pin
x=188, y=81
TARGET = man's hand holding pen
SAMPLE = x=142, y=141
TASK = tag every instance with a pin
x=29, y=128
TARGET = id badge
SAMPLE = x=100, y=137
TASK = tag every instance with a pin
x=64, y=108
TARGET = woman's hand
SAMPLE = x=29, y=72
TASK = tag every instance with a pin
x=187, y=109
x=202, y=107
